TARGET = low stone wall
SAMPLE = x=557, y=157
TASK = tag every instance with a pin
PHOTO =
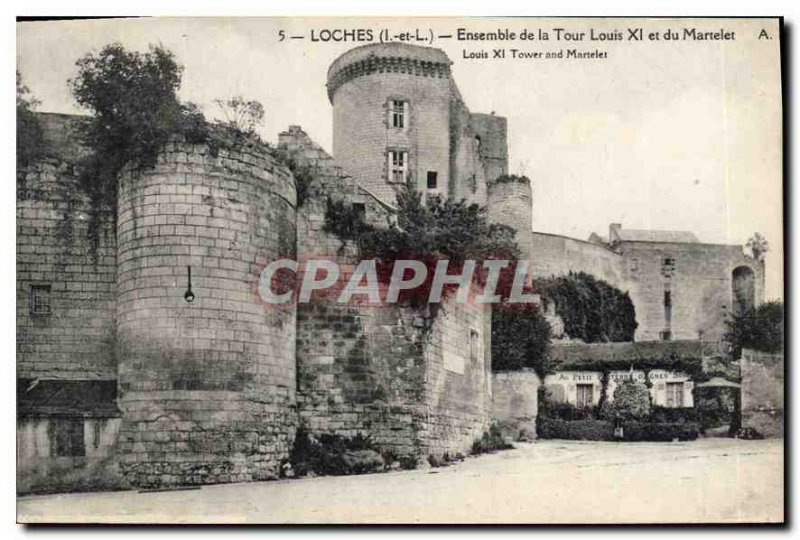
x=762, y=392
x=515, y=402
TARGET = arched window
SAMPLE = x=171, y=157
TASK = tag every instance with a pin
x=743, y=280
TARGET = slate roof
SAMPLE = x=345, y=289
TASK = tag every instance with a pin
x=641, y=235
x=626, y=351
x=81, y=399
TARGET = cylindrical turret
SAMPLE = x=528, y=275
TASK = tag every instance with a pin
x=391, y=116
x=509, y=201
x=207, y=378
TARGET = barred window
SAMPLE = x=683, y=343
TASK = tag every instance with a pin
x=398, y=166
x=40, y=300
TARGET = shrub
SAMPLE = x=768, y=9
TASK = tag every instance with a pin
x=330, y=454
x=491, y=441
x=579, y=430
x=672, y=415
x=592, y=310
x=520, y=339
x=759, y=328
x=568, y=411
x=631, y=402
x=664, y=432
x=30, y=134
x=428, y=230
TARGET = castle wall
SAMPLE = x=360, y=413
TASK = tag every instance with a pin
x=492, y=132
x=75, y=340
x=378, y=370
x=515, y=403
x=458, y=379
x=207, y=388
x=554, y=255
x=509, y=203
x=763, y=392
x=699, y=282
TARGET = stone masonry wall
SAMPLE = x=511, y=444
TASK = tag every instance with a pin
x=361, y=130
x=515, y=403
x=379, y=370
x=509, y=204
x=762, y=392
x=458, y=385
x=699, y=282
x=554, y=255
x=76, y=339
x=207, y=388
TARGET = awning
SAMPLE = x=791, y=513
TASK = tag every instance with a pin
x=718, y=382
x=71, y=399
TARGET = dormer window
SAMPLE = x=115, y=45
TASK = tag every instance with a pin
x=398, y=111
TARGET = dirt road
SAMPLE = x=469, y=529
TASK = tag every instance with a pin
x=713, y=480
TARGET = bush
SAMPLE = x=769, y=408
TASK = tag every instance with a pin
x=568, y=411
x=578, y=430
x=664, y=432
x=759, y=328
x=330, y=454
x=30, y=134
x=631, y=402
x=672, y=415
x=491, y=441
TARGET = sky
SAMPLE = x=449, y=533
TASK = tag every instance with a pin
x=676, y=135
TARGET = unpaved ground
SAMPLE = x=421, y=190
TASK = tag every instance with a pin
x=712, y=481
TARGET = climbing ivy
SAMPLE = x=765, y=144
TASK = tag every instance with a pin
x=592, y=310
x=520, y=339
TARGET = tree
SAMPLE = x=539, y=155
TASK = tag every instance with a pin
x=30, y=135
x=241, y=114
x=758, y=246
x=759, y=328
x=631, y=402
x=135, y=109
x=520, y=339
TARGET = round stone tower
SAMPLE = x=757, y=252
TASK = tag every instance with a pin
x=206, y=372
x=391, y=116
x=509, y=201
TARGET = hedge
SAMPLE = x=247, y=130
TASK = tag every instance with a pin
x=648, y=431
x=603, y=430
x=579, y=430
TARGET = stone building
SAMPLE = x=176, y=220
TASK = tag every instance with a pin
x=144, y=349
x=591, y=372
x=681, y=288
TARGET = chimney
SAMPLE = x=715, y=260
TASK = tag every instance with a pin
x=611, y=230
